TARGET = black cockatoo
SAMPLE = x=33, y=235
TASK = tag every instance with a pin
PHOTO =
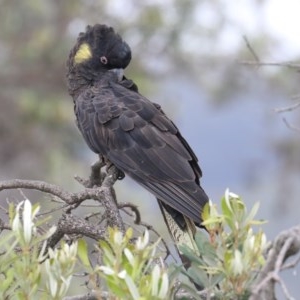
x=131, y=132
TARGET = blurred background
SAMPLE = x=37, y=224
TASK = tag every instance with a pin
x=187, y=56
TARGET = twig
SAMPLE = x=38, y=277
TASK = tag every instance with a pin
x=109, y=200
x=290, y=126
x=288, y=108
x=91, y=215
x=285, y=290
x=4, y=226
x=290, y=65
x=133, y=208
x=90, y=296
x=292, y=264
x=251, y=49
x=52, y=210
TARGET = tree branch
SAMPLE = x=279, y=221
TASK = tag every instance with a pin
x=90, y=296
x=290, y=65
x=39, y=186
x=252, y=51
x=69, y=224
x=290, y=126
x=285, y=245
x=288, y=108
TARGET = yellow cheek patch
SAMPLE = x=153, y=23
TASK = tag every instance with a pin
x=83, y=53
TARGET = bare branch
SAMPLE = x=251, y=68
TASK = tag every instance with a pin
x=133, y=208
x=96, y=177
x=286, y=244
x=4, y=226
x=70, y=198
x=288, y=108
x=109, y=200
x=69, y=224
x=290, y=126
x=290, y=65
x=291, y=265
x=90, y=296
x=37, y=185
x=251, y=49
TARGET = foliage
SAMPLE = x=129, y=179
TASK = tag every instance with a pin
x=26, y=271
x=232, y=254
x=130, y=269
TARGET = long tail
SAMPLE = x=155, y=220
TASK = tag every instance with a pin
x=181, y=228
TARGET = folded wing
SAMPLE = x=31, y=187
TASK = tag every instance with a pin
x=138, y=138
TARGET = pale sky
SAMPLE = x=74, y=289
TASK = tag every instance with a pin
x=283, y=20
x=278, y=18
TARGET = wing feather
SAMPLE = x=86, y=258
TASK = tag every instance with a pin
x=138, y=138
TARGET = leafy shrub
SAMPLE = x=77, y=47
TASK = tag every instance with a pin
x=230, y=256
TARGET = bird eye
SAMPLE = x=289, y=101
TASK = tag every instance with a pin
x=103, y=60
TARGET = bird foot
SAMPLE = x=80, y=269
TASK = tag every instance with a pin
x=120, y=174
x=104, y=161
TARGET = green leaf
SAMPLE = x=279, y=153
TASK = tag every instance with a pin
x=198, y=275
x=107, y=252
x=205, y=212
x=82, y=252
x=190, y=289
x=258, y=222
x=215, y=279
x=117, y=288
x=9, y=276
x=226, y=207
x=11, y=212
x=190, y=254
x=252, y=213
x=205, y=247
x=132, y=287
x=200, y=239
x=174, y=271
x=212, y=220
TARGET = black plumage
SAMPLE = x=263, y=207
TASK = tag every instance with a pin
x=129, y=130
